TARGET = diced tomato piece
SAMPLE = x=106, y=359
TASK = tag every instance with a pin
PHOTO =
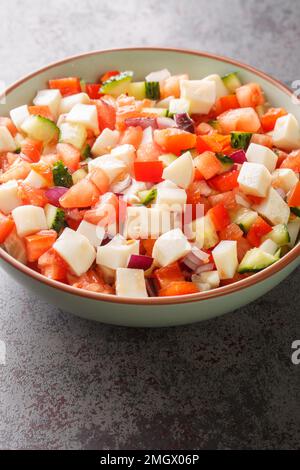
x=242, y=247
x=148, y=152
x=225, y=103
x=174, y=140
x=201, y=145
x=231, y=232
x=237, y=277
x=281, y=157
x=208, y=165
x=106, y=211
x=7, y=122
x=74, y=217
x=18, y=171
x=292, y=162
x=198, y=175
x=6, y=226
x=82, y=194
x=148, y=171
x=227, y=198
x=250, y=95
x=268, y=120
x=106, y=114
x=195, y=198
x=43, y=111
x=39, y=243
x=91, y=281
x=178, y=288
x=254, y=200
x=219, y=216
x=70, y=155
x=53, y=266
x=107, y=75
x=225, y=182
x=294, y=196
x=133, y=136
x=44, y=170
x=100, y=179
x=257, y=230
x=92, y=89
x=262, y=139
x=67, y=86
x=171, y=86
x=33, y=196
x=32, y=149
x=168, y=274
x=147, y=245
x=217, y=143
x=240, y=119
x=205, y=129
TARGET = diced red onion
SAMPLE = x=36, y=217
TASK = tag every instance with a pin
x=195, y=258
x=199, y=253
x=281, y=192
x=140, y=262
x=165, y=122
x=142, y=122
x=239, y=156
x=184, y=122
x=120, y=186
x=150, y=286
x=205, y=267
x=53, y=194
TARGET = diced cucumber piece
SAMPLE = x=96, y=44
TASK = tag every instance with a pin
x=179, y=106
x=118, y=84
x=294, y=229
x=152, y=90
x=256, y=260
x=167, y=158
x=240, y=140
x=205, y=232
x=215, y=124
x=148, y=196
x=159, y=112
x=137, y=90
x=73, y=133
x=279, y=235
x=296, y=211
x=86, y=152
x=245, y=218
x=61, y=175
x=55, y=217
x=268, y=246
x=40, y=128
x=231, y=81
x=226, y=162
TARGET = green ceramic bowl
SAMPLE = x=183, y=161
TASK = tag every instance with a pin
x=150, y=312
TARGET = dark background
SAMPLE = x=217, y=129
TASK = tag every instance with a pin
x=227, y=383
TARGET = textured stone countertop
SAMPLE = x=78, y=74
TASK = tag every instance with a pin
x=226, y=383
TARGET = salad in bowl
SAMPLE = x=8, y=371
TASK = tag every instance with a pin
x=162, y=187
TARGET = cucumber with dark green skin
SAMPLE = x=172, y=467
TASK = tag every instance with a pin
x=152, y=90
x=55, y=217
x=296, y=211
x=118, y=84
x=256, y=259
x=61, y=175
x=226, y=162
x=147, y=197
x=279, y=235
x=86, y=152
x=231, y=81
x=240, y=140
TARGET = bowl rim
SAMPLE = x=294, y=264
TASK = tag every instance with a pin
x=215, y=293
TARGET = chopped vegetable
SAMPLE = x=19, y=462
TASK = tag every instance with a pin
x=61, y=175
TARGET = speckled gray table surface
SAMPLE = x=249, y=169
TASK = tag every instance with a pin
x=227, y=383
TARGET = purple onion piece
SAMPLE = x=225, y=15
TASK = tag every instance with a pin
x=142, y=122
x=54, y=194
x=184, y=122
x=239, y=156
x=151, y=287
x=140, y=262
x=204, y=268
